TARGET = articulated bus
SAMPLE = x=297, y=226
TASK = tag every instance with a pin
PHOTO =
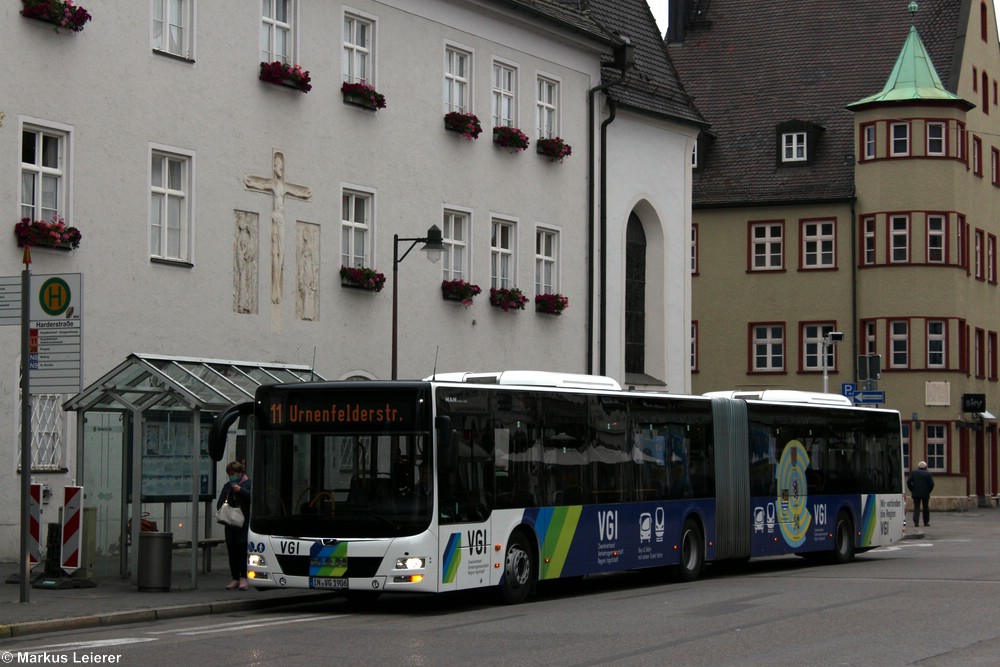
x=505, y=479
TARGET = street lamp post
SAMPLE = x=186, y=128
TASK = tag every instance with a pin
x=433, y=246
x=829, y=340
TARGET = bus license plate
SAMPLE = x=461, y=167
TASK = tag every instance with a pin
x=328, y=582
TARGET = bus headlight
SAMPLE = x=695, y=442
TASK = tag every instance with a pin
x=410, y=563
x=256, y=560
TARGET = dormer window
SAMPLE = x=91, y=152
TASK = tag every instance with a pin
x=794, y=144
x=797, y=141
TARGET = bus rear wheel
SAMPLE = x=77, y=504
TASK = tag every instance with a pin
x=843, y=540
x=692, y=552
x=518, y=572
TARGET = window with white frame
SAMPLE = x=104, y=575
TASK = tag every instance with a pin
x=818, y=243
x=694, y=346
x=868, y=233
x=900, y=139
x=546, y=109
x=793, y=147
x=276, y=31
x=171, y=180
x=457, y=65
x=768, y=348
x=767, y=246
x=899, y=239
x=694, y=248
x=502, y=254
x=359, y=34
x=936, y=343
x=991, y=258
x=546, y=261
x=980, y=255
x=937, y=446
x=899, y=343
x=813, y=348
x=357, y=213
x=935, y=139
x=454, y=233
x=43, y=173
x=869, y=343
x=869, y=142
x=172, y=27
x=504, y=87
x=935, y=239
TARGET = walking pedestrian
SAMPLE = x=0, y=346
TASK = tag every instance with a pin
x=920, y=484
x=236, y=491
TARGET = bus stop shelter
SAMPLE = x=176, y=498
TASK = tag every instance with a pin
x=190, y=389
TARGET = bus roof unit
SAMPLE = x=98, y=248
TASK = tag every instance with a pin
x=785, y=396
x=531, y=379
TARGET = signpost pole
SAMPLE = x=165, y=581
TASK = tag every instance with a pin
x=25, y=566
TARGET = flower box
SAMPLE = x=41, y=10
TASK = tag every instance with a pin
x=362, y=277
x=507, y=298
x=459, y=290
x=60, y=13
x=54, y=234
x=554, y=149
x=553, y=304
x=466, y=124
x=282, y=74
x=510, y=138
x=363, y=95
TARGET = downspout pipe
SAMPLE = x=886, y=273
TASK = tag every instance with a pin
x=592, y=223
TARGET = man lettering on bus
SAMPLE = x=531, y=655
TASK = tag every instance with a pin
x=920, y=484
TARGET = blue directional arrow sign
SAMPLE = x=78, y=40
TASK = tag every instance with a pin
x=867, y=397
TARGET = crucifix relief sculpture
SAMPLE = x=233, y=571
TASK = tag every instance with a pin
x=278, y=189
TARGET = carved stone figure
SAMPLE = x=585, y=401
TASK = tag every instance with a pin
x=307, y=272
x=245, y=269
x=278, y=189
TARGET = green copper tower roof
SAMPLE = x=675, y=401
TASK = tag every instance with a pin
x=913, y=79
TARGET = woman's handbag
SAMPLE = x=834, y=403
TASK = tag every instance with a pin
x=230, y=515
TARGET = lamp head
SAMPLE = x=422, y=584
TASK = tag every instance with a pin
x=433, y=245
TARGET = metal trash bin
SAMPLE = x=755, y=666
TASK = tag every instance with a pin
x=155, y=561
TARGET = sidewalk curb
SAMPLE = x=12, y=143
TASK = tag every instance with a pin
x=12, y=630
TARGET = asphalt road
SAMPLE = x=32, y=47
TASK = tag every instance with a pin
x=928, y=601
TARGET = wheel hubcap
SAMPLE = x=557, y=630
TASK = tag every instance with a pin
x=518, y=566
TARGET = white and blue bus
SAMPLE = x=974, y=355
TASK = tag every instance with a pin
x=504, y=479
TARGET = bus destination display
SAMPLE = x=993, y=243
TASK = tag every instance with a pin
x=345, y=414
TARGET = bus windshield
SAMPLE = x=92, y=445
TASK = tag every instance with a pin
x=355, y=467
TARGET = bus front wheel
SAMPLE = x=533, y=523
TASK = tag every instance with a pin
x=843, y=539
x=519, y=570
x=692, y=552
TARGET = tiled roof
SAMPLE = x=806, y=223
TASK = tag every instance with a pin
x=752, y=65
x=652, y=85
x=569, y=13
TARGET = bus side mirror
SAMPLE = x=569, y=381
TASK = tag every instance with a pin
x=220, y=428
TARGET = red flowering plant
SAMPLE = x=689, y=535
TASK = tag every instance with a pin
x=54, y=234
x=60, y=13
x=363, y=277
x=510, y=138
x=555, y=149
x=284, y=74
x=552, y=304
x=507, y=298
x=466, y=124
x=459, y=290
x=366, y=94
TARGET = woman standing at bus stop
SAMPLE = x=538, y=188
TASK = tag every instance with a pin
x=236, y=491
